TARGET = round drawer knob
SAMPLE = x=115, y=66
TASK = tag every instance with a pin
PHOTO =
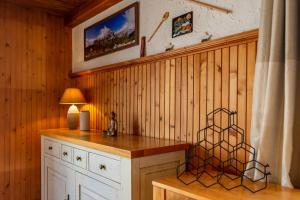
x=50, y=148
x=102, y=167
x=78, y=158
x=65, y=153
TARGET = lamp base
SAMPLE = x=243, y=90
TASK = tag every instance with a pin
x=73, y=117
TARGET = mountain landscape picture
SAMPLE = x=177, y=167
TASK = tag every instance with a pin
x=114, y=33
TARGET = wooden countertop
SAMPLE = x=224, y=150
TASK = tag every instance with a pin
x=216, y=192
x=130, y=146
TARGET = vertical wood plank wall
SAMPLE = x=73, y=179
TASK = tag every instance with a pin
x=168, y=96
x=34, y=63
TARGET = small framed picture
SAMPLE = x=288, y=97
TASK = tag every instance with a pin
x=182, y=25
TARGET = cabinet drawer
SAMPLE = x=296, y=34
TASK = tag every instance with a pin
x=52, y=148
x=66, y=153
x=80, y=158
x=105, y=166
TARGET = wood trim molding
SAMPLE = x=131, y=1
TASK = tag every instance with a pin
x=205, y=46
x=88, y=10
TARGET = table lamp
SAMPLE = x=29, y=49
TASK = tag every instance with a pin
x=73, y=96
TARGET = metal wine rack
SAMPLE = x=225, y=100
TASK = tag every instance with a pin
x=221, y=156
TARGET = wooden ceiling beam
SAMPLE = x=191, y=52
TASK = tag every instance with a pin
x=88, y=10
x=58, y=7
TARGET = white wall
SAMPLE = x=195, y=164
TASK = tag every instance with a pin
x=245, y=16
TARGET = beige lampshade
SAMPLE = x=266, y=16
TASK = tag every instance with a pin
x=72, y=96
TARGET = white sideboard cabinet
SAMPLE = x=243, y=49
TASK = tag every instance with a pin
x=71, y=170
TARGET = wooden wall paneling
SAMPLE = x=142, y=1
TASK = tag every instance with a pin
x=184, y=98
x=170, y=97
x=132, y=99
x=196, y=101
x=251, y=58
x=121, y=99
x=218, y=84
x=119, y=102
x=107, y=98
x=110, y=95
x=218, y=92
x=210, y=88
x=148, y=100
x=177, y=98
x=41, y=73
x=242, y=86
x=91, y=95
x=15, y=108
x=115, y=98
x=203, y=90
x=144, y=99
x=225, y=88
x=22, y=115
x=101, y=101
x=162, y=92
x=97, y=106
x=190, y=98
x=152, y=100
x=129, y=102
x=173, y=82
x=135, y=129
x=30, y=88
x=35, y=157
x=140, y=97
x=4, y=100
x=127, y=99
x=233, y=73
x=8, y=95
x=50, y=84
x=167, y=89
x=28, y=106
x=156, y=101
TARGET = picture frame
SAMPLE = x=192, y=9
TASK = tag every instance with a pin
x=182, y=24
x=114, y=33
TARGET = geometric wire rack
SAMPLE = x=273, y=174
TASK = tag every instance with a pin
x=221, y=156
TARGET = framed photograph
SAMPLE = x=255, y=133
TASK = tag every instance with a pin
x=116, y=32
x=182, y=25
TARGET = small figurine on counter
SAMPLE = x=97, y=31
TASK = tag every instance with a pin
x=112, y=126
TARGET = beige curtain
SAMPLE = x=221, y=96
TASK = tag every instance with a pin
x=276, y=120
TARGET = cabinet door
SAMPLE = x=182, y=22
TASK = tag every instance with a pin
x=90, y=189
x=58, y=181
